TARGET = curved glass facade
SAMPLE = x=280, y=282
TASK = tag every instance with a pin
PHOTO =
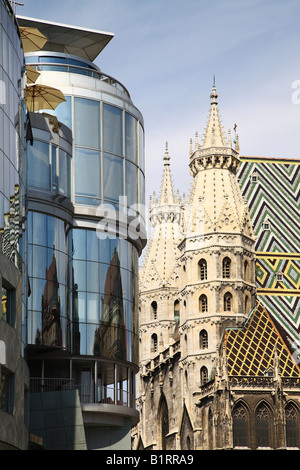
x=11, y=124
x=49, y=311
x=83, y=292
x=108, y=145
x=84, y=288
x=49, y=168
x=105, y=295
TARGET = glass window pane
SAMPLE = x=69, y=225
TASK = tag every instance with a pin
x=79, y=275
x=131, y=137
x=131, y=184
x=87, y=122
x=39, y=261
x=79, y=244
x=39, y=229
x=92, y=245
x=38, y=165
x=105, y=250
x=93, y=283
x=64, y=173
x=53, y=169
x=82, y=306
x=63, y=112
x=112, y=129
x=113, y=177
x=141, y=149
x=87, y=172
x=93, y=308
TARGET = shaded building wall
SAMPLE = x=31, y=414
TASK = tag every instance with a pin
x=14, y=374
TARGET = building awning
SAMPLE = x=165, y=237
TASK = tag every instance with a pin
x=85, y=43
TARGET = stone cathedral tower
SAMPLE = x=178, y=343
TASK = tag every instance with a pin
x=217, y=254
x=198, y=279
x=215, y=369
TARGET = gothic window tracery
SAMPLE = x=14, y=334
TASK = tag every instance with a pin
x=262, y=421
x=203, y=339
x=246, y=271
x=176, y=311
x=240, y=426
x=203, y=305
x=163, y=423
x=291, y=417
x=226, y=268
x=202, y=266
x=154, y=343
x=227, y=302
x=203, y=375
x=154, y=310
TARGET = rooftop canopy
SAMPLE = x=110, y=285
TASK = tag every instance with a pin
x=85, y=43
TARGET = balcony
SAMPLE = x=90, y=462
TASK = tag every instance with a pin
x=89, y=72
x=102, y=394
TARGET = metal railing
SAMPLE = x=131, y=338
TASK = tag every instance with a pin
x=107, y=394
x=69, y=68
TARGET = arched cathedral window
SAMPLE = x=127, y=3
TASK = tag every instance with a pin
x=227, y=302
x=203, y=375
x=202, y=266
x=203, y=307
x=176, y=311
x=240, y=426
x=246, y=271
x=154, y=310
x=226, y=267
x=163, y=423
x=262, y=422
x=154, y=343
x=291, y=418
x=203, y=339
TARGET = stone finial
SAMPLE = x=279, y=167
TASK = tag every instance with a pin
x=214, y=134
x=166, y=156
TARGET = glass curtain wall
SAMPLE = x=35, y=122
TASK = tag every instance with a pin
x=48, y=286
x=105, y=295
x=109, y=153
x=11, y=118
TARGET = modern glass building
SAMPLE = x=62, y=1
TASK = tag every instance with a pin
x=14, y=374
x=84, y=234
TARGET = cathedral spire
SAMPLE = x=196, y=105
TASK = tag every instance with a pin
x=214, y=134
x=165, y=216
x=167, y=195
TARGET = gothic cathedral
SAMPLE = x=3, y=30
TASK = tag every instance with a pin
x=216, y=371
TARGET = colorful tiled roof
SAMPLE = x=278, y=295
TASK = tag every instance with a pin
x=250, y=350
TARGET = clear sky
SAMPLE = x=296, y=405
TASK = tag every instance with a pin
x=166, y=53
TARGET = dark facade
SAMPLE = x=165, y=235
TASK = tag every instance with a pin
x=14, y=374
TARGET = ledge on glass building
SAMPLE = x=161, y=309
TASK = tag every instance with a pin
x=94, y=400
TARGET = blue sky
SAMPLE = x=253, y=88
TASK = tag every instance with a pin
x=166, y=53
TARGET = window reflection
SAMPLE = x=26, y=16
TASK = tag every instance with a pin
x=131, y=137
x=113, y=177
x=38, y=165
x=87, y=122
x=131, y=184
x=112, y=129
x=97, y=290
x=48, y=291
x=87, y=173
x=104, y=296
x=49, y=173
